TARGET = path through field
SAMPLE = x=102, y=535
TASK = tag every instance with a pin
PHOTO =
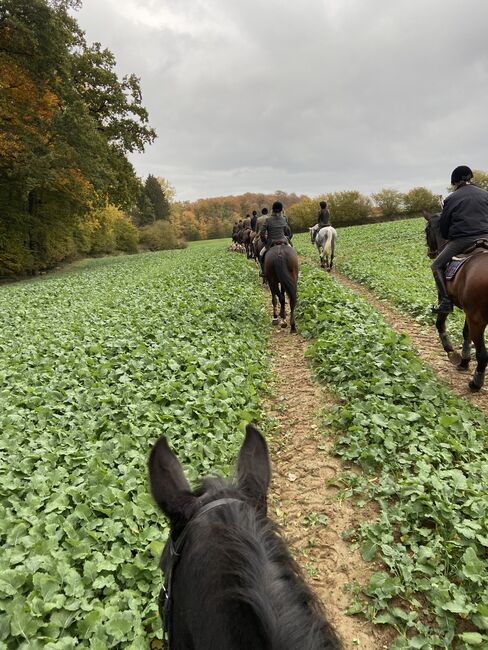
x=311, y=516
x=426, y=341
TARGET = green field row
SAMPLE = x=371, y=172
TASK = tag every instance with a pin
x=424, y=458
x=95, y=364
x=390, y=258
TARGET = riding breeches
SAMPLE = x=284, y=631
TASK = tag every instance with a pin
x=453, y=247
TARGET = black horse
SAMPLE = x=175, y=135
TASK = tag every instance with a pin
x=281, y=270
x=230, y=582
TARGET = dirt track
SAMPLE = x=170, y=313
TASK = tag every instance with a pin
x=307, y=506
x=311, y=515
x=426, y=341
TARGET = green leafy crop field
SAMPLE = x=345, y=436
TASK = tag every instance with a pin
x=95, y=364
x=423, y=452
x=391, y=259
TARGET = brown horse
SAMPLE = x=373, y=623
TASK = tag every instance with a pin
x=469, y=291
x=281, y=270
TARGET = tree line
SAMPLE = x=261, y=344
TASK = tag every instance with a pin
x=67, y=188
x=214, y=217
x=67, y=125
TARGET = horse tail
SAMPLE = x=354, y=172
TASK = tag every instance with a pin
x=330, y=237
x=284, y=276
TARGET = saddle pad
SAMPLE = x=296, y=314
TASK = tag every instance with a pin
x=456, y=263
x=453, y=267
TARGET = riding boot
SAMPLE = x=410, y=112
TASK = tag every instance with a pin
x=261, y=261
x=445, y=303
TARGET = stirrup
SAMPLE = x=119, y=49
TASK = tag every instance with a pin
x=444, y=307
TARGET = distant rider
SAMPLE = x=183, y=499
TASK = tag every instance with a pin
x=464, y=220
x=323, y=219
x=254, y=219
x=261, y=220
x=274, y=230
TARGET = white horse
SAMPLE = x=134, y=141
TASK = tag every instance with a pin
x=325, y=239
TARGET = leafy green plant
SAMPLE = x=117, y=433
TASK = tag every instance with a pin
x=95, y=364
x=426, y=450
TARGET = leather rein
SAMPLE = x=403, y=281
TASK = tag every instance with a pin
x=175, y=549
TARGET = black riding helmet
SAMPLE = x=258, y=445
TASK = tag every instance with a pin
x=461, y=173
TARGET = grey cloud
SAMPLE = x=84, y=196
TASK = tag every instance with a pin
x=294, y=96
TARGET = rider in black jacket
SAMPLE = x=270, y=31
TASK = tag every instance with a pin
x=275, y=229
x=464, y=219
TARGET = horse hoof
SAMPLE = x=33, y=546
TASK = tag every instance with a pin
x=275, y=321
x=474, y=388
x=293, y=330
x=329, y=270
x=455, y=358
x=462, y=368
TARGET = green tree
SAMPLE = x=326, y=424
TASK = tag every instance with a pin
x=68, y=124
x=348, y=207
x=419, y=199
x=155, y=194
x=389, y=201
x=168, y=189
x=480, y=178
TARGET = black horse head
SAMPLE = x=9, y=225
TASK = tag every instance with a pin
x=231, y=581
x=435, y=241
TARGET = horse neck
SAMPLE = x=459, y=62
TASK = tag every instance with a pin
x=246, y=589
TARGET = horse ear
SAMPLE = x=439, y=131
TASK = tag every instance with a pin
x=169, y=486
x=254, y=468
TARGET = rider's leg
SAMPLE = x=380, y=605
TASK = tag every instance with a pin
x=453, y=247
x=262, y=255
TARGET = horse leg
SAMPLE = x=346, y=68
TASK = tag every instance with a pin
x=321, y=254
x=331, y=260
x=440, y=323
x=466, y=351
x=477, y=334
x=282, y=297
x=293, y=327
x=274, y=288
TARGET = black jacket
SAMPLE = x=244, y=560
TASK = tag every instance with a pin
x=275, y=228
x=465, y=213
x=323, y=217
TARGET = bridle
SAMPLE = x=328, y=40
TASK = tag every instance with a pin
x=175, y=550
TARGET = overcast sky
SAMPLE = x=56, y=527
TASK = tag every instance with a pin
x=305, y=96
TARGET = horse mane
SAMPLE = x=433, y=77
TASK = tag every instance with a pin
x=259, y=574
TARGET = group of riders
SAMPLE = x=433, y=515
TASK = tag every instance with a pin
x=257, y=234
x=463, y=222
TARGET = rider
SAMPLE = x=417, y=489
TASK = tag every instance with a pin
x=323, y=219
x=275, y=229
x=464, y=220
x=246, y=224
x=260, y=221
x=254, y=219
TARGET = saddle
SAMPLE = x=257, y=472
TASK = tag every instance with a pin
x=479, y=246
x=280, y=242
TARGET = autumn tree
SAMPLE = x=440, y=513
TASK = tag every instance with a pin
x=419, y=199
x=389, y=201
x=68, y=124
x=480, y=178
x=348, y=207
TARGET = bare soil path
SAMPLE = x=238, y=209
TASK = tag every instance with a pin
x=311, y=515
x=426, y=341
